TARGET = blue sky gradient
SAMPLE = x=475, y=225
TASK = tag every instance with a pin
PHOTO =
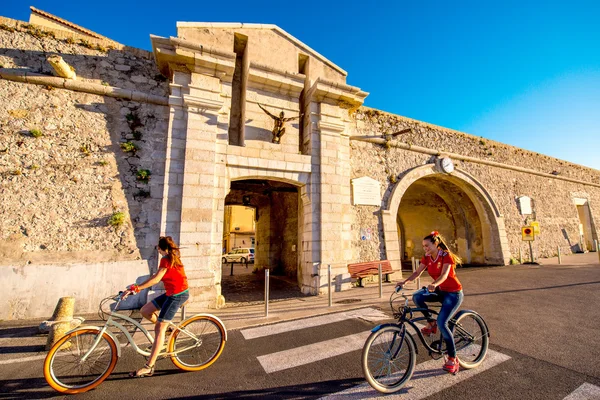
x=526, y=73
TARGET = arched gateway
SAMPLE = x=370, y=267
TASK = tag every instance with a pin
x=456, y=204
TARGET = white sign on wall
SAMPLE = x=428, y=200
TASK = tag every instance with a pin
x=525, y=205
x=366, y=191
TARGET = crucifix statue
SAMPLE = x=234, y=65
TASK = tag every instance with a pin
x=278, y=128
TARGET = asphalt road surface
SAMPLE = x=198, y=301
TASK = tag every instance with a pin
x=544, y=323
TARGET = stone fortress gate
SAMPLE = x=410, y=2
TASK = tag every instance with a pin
x=343, y=184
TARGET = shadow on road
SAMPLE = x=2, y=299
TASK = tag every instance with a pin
x=530, y=289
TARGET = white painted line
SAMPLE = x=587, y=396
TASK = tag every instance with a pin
x=369, y=314
x=42, y=356
x=587, y=391
x=428, y=379
x=22, y=359
x=313, y=352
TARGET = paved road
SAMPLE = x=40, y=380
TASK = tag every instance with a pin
x=543, y=319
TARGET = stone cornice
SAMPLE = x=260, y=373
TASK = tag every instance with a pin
x=275, y=81
x=331, y=126
x=170, y=53
x=207, y=104
x=325, y=90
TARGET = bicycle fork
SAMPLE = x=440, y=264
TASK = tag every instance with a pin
x=391, y=350
x=93, y=346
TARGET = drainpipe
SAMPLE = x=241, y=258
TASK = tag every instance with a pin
x=17, y=75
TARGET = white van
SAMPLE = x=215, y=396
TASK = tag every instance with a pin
x=239, y=255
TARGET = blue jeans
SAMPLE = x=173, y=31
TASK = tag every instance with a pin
x=450, y=303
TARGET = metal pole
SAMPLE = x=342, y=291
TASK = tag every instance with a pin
x=380, y=283
x=520, y=256
x=231, y=273
x=559, y=258
x=531, y=257
x=329, y=282
x=183, y=313
x=596, y=245
x=266, y=292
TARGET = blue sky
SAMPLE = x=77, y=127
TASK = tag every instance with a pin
x=526, y=73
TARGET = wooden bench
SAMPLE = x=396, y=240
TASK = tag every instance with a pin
x=362, y=270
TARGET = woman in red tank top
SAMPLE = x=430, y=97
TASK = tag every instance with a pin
x=445, y=288
x=171, y=273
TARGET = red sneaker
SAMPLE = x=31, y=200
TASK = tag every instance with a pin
x=428, y=330
x=451, y=365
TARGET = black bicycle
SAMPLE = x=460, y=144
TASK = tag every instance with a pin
x=390, y=352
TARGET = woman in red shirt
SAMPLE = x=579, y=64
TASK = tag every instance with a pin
x=171, y=273
x=440, y=263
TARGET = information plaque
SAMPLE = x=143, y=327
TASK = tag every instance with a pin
x=366, y=191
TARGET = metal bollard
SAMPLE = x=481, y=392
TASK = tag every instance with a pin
x=329, y=282
x=531, y=256
x=380, y=283
x=266, y=292
x=231, y=273
x=559, y=258
x=183, y=313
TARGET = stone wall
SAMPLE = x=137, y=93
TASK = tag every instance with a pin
x=62, y=168
x=553, y=198
x=77, y=218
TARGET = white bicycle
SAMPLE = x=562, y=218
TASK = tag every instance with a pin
x=86, y=356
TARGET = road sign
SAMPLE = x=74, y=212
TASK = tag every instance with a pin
x=536, y=227
x=528, y=233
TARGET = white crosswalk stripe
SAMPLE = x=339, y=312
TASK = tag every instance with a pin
x=368, y=314
x=428, y=379
x=587, y=391
x=313, y=352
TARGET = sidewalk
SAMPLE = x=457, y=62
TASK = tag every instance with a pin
x=571, y=259
x=20, y=340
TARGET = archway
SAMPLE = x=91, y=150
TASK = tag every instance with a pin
x=274, y=242
x=456, y=205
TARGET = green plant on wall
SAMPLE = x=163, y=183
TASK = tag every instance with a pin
x=143, y=175
x=85, y=149
x=117, y=219
x=36, y=133
x=129, y=147
x=133, y=120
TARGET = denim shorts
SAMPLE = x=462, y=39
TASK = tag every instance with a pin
x=168, y=305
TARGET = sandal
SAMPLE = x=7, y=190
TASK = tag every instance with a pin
x=429, y=329
x=451, y=365
x=135, y=374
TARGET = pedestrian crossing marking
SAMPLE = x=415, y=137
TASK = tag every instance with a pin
x=428, y=379
x=369, y=314
x=587, y=391
x=313, y=352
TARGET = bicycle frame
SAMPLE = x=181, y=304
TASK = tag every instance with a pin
x=403, y=321
x=110, y=322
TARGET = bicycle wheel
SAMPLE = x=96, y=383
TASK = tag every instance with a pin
x=471, y=339
x=66, y=372
x=388, y=359
x=199, y=344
